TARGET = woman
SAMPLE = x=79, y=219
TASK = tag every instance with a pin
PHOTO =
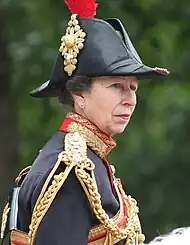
x=70, y=195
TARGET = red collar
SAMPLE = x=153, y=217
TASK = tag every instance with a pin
x=98, y=141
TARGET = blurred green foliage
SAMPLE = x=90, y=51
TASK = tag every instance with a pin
x=152, y=156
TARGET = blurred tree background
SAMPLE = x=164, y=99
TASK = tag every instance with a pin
x=152, y=156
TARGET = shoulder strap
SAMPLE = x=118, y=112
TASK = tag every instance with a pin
x=19, y=179
x=75, y=154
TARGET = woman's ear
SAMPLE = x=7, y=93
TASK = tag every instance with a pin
x=79, y=100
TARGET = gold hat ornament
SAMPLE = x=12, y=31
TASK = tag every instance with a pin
x=73, y=41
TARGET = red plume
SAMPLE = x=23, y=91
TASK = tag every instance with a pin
x=84, y=8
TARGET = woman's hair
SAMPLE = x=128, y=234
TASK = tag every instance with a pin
x=74, y=85
x=179, y=236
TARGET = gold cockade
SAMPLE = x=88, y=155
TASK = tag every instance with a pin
x=71, y=43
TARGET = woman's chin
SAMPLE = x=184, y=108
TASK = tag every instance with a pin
x=118, y=130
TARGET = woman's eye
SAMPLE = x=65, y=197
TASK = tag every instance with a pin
x=133, y=87
x=117, y=85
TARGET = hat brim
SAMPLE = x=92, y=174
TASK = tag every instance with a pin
x=45, y=90
x=141, y=72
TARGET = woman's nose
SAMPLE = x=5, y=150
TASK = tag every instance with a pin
x=129, y=99
x=128, y=103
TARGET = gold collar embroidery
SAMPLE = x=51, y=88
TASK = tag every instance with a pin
x=98, y=141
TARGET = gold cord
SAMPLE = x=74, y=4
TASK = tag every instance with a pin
x=4, y=219
x=75, y=152
x=75, y=155
x=133, y=227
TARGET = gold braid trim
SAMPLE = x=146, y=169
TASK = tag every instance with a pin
x=106, y=142
x=4, y=219
x=114, y=233
x=93, y=141
x=75, y=154
x=134, y=225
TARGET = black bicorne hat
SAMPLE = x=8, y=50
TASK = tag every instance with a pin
x=93, y=47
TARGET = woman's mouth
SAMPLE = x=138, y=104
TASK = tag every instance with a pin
x=124, y=117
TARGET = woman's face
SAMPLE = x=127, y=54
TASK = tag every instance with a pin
x=109, y=103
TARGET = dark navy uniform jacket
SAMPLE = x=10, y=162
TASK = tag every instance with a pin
x=70, y=216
